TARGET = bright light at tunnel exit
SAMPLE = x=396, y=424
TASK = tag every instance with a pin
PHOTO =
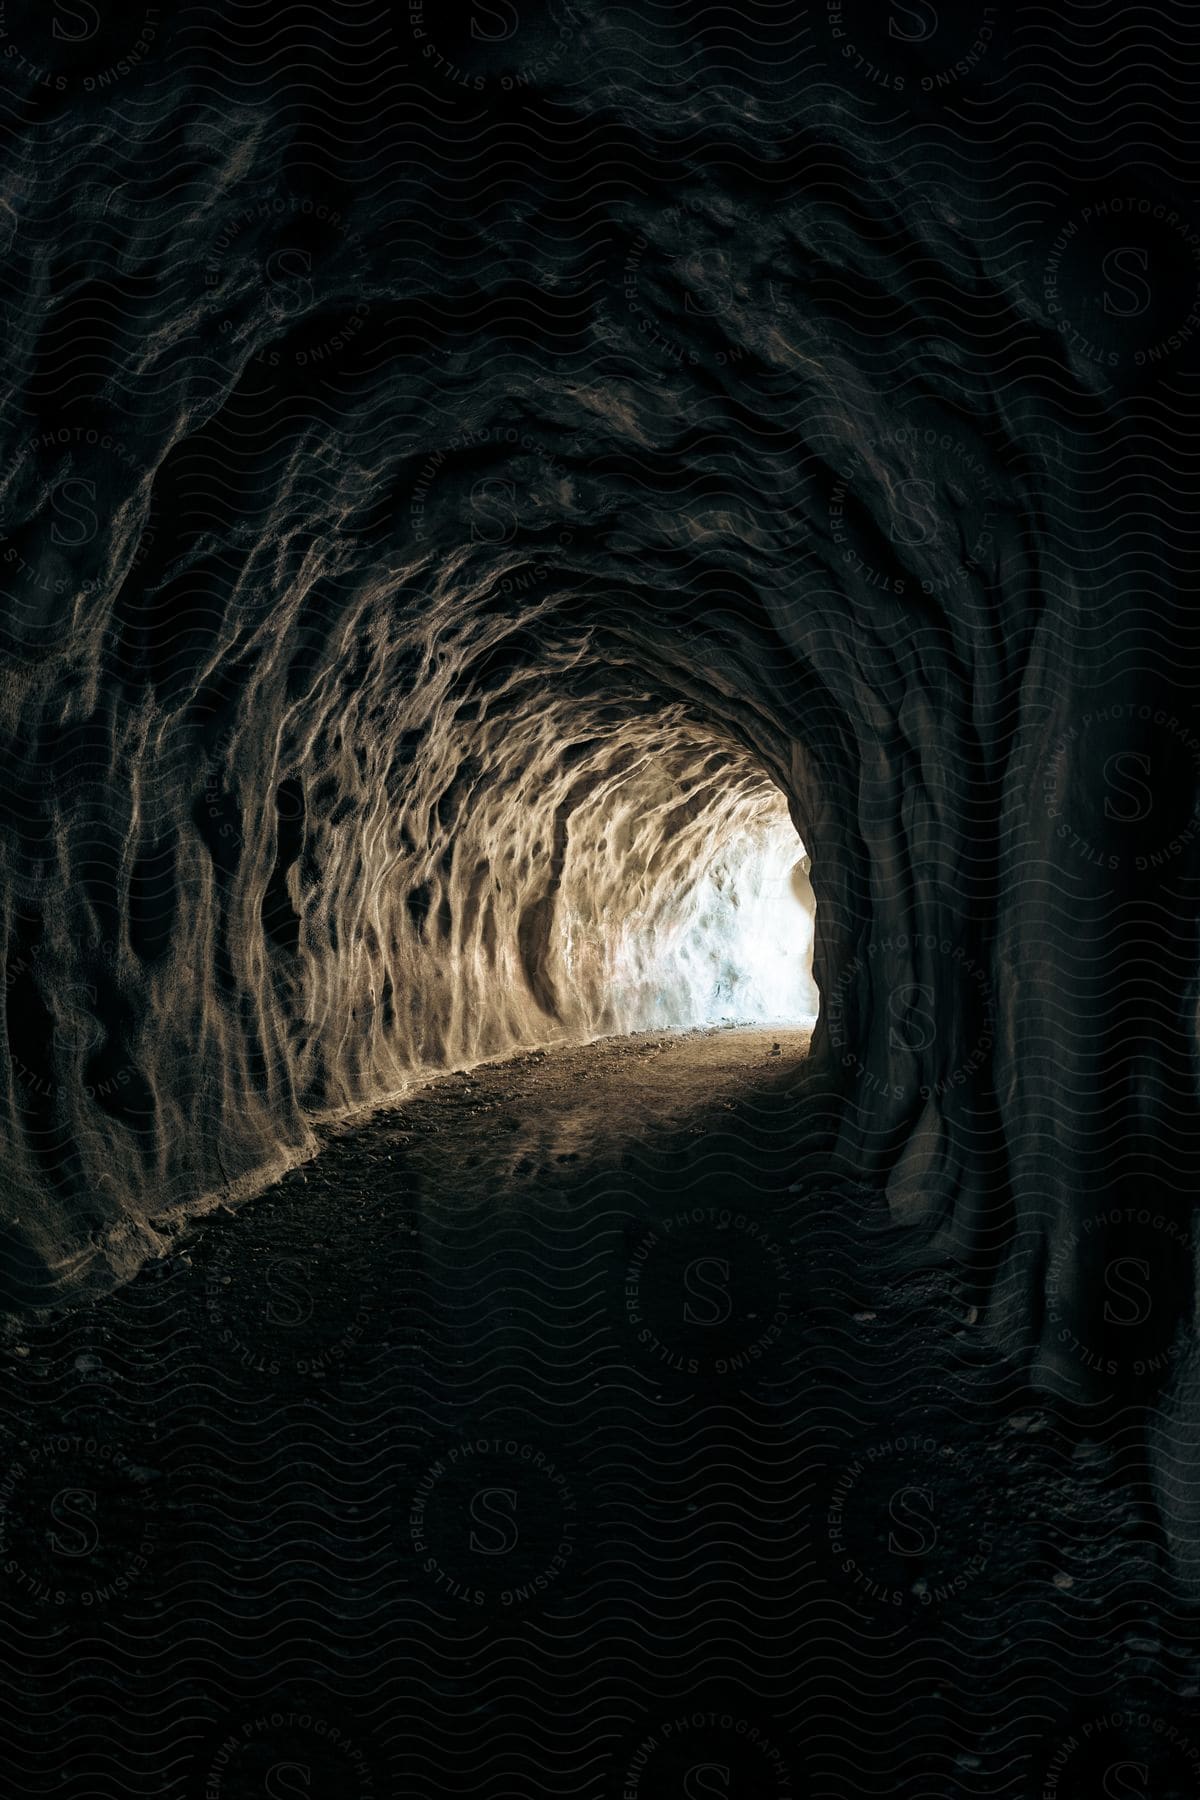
x=732, y=947
x=746, y=950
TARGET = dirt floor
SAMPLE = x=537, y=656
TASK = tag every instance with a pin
x=561, y=1430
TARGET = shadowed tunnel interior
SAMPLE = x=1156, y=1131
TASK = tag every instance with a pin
x=525, y=526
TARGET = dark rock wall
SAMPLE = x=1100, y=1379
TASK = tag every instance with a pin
x=427, y=432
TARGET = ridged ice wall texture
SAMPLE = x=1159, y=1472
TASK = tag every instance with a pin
x=455, y=475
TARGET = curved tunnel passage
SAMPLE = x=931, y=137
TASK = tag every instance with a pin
x=348, y=578
x=498, y=827
x=544, y=862
x=487, y=491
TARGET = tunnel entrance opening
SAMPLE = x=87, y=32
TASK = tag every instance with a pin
x=685, y=899
x=585, y=853
x=734, y=945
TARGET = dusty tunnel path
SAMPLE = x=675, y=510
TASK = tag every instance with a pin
x=558, y=1431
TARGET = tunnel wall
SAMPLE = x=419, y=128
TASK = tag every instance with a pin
x=781, y=414
x=432, y=856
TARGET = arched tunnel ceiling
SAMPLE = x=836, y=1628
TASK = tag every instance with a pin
x=419, y=427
